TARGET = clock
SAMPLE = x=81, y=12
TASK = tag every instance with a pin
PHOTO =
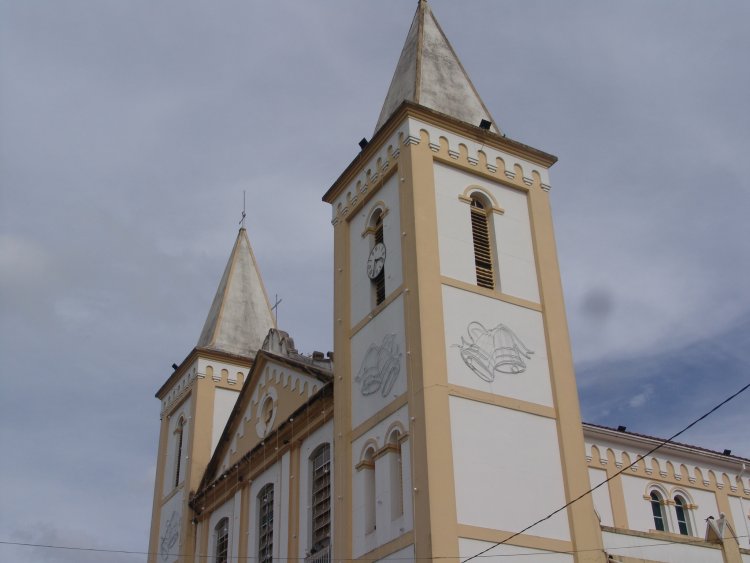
x=376, y=261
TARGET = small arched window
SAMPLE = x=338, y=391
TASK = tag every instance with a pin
x=657, y=508
x=320, y=501
x=396, y=475
x=265, y=524
x=481, y=235
x=180, y=432
x=221, y=538
x=681, y=511
x=378, y=282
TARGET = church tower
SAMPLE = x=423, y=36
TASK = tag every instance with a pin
x=199, y=396
x=457, y=421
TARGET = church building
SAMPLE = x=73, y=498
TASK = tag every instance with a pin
x=446, y=423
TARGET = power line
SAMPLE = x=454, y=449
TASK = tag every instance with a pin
x=482, y=553
x=592, y=489
x=661, y=543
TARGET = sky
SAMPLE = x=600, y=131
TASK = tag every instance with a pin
x=129, y=130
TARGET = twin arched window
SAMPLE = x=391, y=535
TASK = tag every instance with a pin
x=661, y=515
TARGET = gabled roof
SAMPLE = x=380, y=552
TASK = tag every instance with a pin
x=305, y=367
x=240, y=315
x=430, y=74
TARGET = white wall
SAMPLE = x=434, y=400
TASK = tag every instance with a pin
x=390, y=321
x=463, y=307
x=655, y=550
x=406, y=554
x=322, y=435
x=515, y=254
x=360, y=247
x=224, y=400
x=184, y=410
x=741, y=517
x=468, y=547
x=601, y=498
x=170, y=542
x=507, y=469
x=386, y=528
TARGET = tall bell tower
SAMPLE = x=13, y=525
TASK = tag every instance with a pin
x=457, y=420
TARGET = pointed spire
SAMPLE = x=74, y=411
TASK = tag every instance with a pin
x=430, y=74
x=240, y=315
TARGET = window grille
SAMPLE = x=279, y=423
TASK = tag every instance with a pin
x=265, y=524
x=680, y=508
x=482, y=248
x=379, y=281
x=321, y=498
x=657, y=508
x=221, y=553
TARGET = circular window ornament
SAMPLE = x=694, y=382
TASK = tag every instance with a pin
x=266, y=412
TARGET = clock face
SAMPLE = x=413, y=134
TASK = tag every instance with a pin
x=376, y=261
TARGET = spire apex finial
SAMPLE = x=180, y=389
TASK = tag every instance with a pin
x=242, y=220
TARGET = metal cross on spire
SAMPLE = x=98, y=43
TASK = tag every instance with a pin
x=242, y=220
x=275, y=308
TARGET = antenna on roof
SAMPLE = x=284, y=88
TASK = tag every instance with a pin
x=242, y=221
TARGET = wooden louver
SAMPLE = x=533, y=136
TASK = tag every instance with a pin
x=482, y=248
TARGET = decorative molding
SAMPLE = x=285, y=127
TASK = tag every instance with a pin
x=488, y=351
x=411, y=140
x=380, y=367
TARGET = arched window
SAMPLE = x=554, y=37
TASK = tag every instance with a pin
x=179, y=431
x=378, y=282
x=368, y=467
x=396, y=475
x=320, y=501
x=265, y=524
x=681, y=511
x=481, y=235
x=657, y=508
x=221, y=536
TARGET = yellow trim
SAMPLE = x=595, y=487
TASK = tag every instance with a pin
x=466, y=197
x=376, y=310
x=294, y=502
x=492, y=294
x=379, y=416
x=501, y=401
x=380, y=204
x=401, y=542
x=524, y=540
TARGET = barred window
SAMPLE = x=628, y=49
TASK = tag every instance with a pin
x=221, y=531
x=265, y=524
x=480, y=231
x=320, y=463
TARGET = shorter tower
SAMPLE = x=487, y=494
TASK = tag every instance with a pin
x=197, y=398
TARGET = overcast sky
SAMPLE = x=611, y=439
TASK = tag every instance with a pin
x=128, y=130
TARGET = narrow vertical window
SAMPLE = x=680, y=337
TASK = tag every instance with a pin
x=221, y=532
x=680, y=508
x=379, y=280
x=321, y=498
x=480, y=232
x=369, y=491
x=178, y=450
x=657, y=508
x=265, y=524
x=396, y=475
